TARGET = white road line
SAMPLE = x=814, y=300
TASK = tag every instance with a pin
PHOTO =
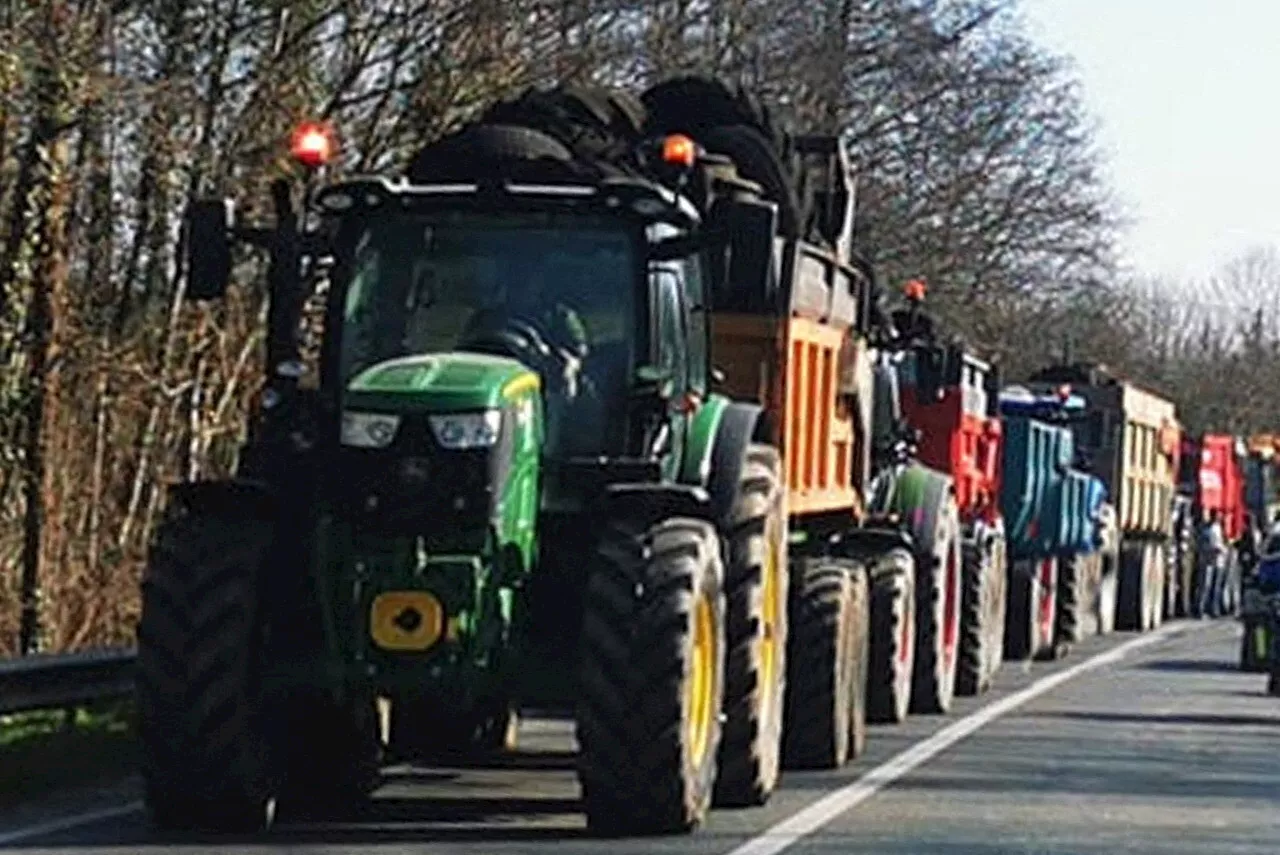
x=66, y=823
x=805, y=822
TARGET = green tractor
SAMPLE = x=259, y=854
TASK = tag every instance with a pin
x=513, y=459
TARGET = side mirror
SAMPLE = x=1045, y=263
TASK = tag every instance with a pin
x=748, y=227
x=208, y=248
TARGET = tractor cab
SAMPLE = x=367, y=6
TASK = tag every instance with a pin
x=452, y=304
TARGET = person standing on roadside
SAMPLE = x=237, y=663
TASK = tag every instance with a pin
x=1212, y=555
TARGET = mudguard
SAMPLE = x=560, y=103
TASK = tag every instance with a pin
x=653, y=501
x=918, y=497
x=700, y=441
x=738, y=427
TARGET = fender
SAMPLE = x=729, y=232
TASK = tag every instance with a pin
x=700, y=440
x=739, y=426
x=919, y=497
x=652, y=501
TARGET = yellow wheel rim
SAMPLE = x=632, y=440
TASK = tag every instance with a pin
x=770, y=635
x=700, y=687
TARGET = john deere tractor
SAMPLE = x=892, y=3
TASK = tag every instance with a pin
x=511, y=460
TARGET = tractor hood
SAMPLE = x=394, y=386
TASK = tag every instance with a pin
x=439, y=383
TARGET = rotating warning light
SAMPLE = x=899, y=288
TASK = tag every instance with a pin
x=914, y=290
x=679, y=150
x=312, y=144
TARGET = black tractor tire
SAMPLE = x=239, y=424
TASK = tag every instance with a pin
x=981, y=609
x=1158, y=567
x=1000, y=602
x=938, y=578
x=332, y=759
x=893, y=637
x=1250, y=661
x=653, y=633
x=756, y=592
x=1031, y=620
x=733, y=123
x=826, y=710
x=455, y=157
x=1049, y=644
x=756, y=160
x=204, y=723
x=690, y=104
x=1020, y=612
x=596, y=123
x=1133, y=595
x=1077, y=592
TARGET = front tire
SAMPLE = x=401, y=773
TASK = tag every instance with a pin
x=826, y=695
x=202, y=716
x=756, y=581
x=938, y=609
x=652, y=678
x=982, y=623
x=893, y=637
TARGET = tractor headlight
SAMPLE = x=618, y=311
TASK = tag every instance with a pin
x=458, y=431
x=369, y=430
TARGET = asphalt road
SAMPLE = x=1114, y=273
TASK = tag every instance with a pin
x=1158, y=746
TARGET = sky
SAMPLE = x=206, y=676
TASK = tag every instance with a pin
x=1187, y=93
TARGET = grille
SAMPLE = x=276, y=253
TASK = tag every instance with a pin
x=413, y=485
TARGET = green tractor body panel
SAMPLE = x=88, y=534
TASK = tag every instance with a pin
x=695, y=468
x=909, y=495
x=472, y=564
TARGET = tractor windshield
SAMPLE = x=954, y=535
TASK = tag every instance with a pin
x=564, y=282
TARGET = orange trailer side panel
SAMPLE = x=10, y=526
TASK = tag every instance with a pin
x=793, y=370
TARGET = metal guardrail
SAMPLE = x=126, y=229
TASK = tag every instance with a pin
x=59, y=680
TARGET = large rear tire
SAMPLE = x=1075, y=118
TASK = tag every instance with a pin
x=826, y=693
x=1133, y=595
x=893, y=637
x=1049, y=646
x=1157, y=571
x=1032, y=611
x=203, y=725
x=938, y=577
x=982, y=609
x=756, y=582
x=1077, y=594
x=652, y=678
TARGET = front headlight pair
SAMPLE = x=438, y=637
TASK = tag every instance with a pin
x=454, y=431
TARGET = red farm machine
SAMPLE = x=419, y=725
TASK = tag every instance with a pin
x=960, y=434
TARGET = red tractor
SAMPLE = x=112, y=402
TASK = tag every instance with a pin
x=960, y=435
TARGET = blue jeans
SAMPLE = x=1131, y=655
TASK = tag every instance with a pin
x=1212, y=582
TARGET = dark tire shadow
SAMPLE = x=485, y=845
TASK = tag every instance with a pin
x=1175, y=719
x=1208, y=666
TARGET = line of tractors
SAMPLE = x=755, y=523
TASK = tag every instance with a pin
x=596, y=408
